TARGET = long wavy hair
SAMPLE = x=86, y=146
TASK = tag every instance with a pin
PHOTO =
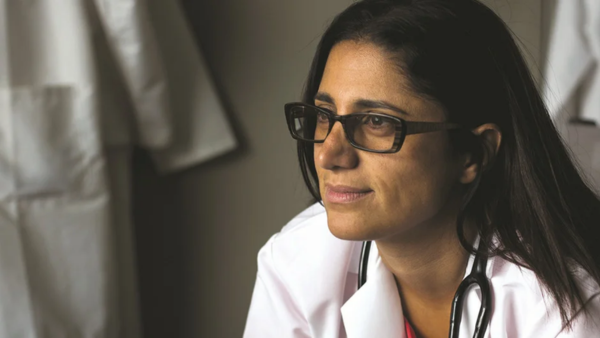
x=532, y=201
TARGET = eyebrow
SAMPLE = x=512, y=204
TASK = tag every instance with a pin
x=379, y=104
x=321, y=96
x=363, y=103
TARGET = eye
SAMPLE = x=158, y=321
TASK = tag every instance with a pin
x=322, y=117
x=376, y=121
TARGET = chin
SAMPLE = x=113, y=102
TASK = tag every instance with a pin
x=350, y=226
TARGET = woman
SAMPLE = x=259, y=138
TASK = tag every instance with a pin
x=422, y=130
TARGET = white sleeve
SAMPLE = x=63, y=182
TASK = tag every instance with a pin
x=586, y=323
x=274, y=313
x=134, y=45
x=569, y=58
x=201, y=129
x=178, y=113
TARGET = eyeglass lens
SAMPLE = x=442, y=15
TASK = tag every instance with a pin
x=370, y=131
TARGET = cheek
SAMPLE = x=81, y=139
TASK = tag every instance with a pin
x=411, y=187
x=320, y=171
x=416, y=183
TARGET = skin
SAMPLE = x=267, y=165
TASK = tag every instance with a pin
x=411, y=198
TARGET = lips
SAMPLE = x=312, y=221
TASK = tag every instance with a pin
x=345, y=194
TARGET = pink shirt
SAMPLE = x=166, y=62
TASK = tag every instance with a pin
x=410, y=333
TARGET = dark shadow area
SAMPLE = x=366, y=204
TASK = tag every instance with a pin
x=166, y=243
x=162, y=251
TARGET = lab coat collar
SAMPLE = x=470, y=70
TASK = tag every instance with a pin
x=375, y=310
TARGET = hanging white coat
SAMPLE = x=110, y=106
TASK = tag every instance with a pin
x=572, y=70
x=307, y=281
x=76, y=77
x=572, y=80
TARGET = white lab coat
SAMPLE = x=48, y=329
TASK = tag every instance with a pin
x=80, y=83
x=306, y=287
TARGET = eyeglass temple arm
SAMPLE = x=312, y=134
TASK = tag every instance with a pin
x=426, y=127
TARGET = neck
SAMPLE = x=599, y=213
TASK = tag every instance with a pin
x=428, y=263
x=429, y=268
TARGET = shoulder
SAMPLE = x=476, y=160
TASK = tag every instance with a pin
x=303, y=243
x=305, y=249
x=275, y=299
x=296, y=237
x=300, y=269
x=522, y=304
x=586, y=321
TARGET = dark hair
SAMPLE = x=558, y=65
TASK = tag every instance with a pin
x=533, y=200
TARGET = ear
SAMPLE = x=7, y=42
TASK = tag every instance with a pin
x=491, y=138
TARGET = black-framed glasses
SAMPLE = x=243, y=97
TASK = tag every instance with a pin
x=373, y=132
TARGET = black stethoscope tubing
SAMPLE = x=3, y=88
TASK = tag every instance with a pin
x=476, y=277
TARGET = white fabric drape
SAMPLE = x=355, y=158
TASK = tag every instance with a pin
x=572, y=74
x=80, y=83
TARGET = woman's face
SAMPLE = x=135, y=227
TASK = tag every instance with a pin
x=376, y=196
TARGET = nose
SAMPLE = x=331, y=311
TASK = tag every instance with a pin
x=336, y=152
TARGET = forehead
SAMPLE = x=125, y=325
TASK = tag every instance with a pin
x=363, y=71
x=363, y=67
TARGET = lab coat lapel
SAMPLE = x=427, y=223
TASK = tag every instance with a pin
x=375, y=310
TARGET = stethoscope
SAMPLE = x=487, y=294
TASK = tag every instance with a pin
x=476, y=277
